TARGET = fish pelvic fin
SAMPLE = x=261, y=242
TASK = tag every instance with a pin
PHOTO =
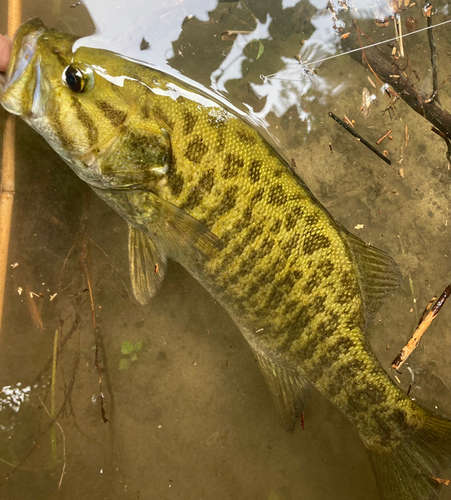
x=378, y=274
x=147, y=265
x=411, y=470
x=289, y=390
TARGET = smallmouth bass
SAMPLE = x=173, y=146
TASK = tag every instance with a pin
x=198, y=185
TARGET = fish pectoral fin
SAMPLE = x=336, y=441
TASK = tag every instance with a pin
x=289, y=390
x=378, y=274
x=148, y=265
x=178, y=233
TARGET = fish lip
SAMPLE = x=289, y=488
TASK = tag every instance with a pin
x=24, y=52
x=24, y=57
x=24, y=46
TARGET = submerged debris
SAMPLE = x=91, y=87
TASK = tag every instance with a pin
x=232, y=34
x=367, y=100
x=387, y=134
x=359, y=137
x=144, y=45
x=426, y=319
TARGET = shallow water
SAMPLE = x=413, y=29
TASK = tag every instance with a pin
x=190, y=417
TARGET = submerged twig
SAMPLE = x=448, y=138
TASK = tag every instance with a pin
x=435, y=92
x=384, y=67
x=446, y=482
x=96, y=341
x=359, y=137
x=63, y=471
x=425, y=322
x=33, y=308
x=428, y=13
x=384, y=136
x=398, y=30
x=447, y=141
x=84, y=260
x=232, y=34
x=53, y=387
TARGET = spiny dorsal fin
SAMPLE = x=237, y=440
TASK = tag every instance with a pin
x=147, y=266
x=378, y=274
x=289, y=391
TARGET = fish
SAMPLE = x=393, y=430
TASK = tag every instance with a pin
x=197, y=184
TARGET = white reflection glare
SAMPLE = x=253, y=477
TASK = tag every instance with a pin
x=292, y=86
x=12, y=397
x=160, y=24
x=230, y=68
x=360, y=9
x=124, y=25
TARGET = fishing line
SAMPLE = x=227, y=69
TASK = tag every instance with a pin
x=272, y=77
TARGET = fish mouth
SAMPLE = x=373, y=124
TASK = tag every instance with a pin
x=23, y=53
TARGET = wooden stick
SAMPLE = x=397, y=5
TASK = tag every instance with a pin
x=7, y=186
x=446, y=482
x=435, y=93
x=52, y=391
x=384, y=136
x=433, y=48
x=359, y=137
x=424, y=324
x=398, y=29
x=14, y=16
x=6, y=203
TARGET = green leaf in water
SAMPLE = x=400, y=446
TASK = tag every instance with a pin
x=127, y=347
x=138, y=346
x=133, y=357
x=124, y=363
x=261, y=48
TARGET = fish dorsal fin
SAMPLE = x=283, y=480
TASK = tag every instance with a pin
x=289, y=390
x=147, y=265
x=179, y=234
x=378, y=274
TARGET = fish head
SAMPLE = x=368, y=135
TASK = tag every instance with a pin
x=34, y=88
x=77, y=101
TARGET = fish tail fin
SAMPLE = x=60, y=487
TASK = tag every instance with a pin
x=411, y=470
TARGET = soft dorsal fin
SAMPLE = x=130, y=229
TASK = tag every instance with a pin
x=289, y=391
x=378, y=274
x=147, y=266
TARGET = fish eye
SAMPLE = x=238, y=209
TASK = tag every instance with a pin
x=78, y=79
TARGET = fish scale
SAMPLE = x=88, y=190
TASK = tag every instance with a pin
x=199, y=185
x=300, y=335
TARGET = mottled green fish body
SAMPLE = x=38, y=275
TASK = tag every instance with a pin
x=199, y=185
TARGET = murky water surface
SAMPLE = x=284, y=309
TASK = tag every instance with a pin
x=188, y=413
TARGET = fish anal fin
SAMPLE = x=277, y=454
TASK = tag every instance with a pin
x=147, y=265
x=289, y=391
x=378, y=274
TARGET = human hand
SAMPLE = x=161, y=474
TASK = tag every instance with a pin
x=6, y=46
